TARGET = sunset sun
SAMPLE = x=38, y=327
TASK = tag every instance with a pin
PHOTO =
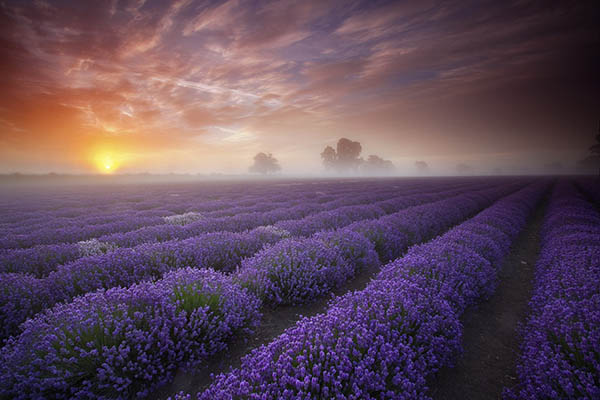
x=105, y=163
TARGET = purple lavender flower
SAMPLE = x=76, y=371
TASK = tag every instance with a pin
x=561, y=340
x=294, y=271
x=386, y=340
x=124, y=342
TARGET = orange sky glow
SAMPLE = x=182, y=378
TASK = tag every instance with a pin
x=202, y=86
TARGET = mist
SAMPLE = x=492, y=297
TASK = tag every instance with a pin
x=469, y=88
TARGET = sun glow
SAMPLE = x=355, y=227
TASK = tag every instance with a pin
x=105, y=162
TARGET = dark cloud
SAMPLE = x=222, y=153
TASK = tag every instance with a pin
x=415, y=78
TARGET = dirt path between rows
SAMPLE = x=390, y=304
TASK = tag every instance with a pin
x=490, y=338
x=273, y=323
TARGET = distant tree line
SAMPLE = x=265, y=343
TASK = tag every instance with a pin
x=592, y=161
x=345, y=158
x=265, y=164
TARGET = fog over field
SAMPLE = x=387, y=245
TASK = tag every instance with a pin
x=202, y=87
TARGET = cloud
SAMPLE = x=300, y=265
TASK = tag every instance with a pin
x=424, y=77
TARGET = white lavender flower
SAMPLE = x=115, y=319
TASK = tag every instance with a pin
x=183, y=219
x=275, y=230
x=94, y=247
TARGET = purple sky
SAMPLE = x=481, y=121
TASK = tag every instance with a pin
x=202, y=86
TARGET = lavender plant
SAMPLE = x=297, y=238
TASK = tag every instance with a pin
x=221, y=250
x=560, y=356
x=386, y=340
x=122, y=343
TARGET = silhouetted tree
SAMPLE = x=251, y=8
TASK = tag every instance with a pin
x=264, y=164
x=348, y=153
x=421, y=166
x=592, y=161
x=329, y=157
x=595, y=149
x=588, y=164
x=344, y=158
x=378, y=166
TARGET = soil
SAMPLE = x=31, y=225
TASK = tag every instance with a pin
x=491, y=329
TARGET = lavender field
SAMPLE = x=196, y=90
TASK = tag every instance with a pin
x=302, y=289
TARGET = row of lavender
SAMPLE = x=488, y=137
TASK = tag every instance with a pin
x=189, y=200
x=50, y=231
x=92, y=218
x=386, y=340
x=123, y=342
x=28, y=205
x=22, y=205
x=68, y=204
x=294, y=271
x=560, y=356
x=42, y=259
x=22, y=296
x=241, y=222
x=67, y=227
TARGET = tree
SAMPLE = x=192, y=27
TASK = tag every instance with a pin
x=348, y=153
x=264, y=164
x=329, y=157
x=422, y=166
x=588, y=164
x=378, y=166
x=595, y=148
x=345, y=158
x=592, y=161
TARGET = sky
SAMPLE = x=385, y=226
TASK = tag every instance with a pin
x=201, y=86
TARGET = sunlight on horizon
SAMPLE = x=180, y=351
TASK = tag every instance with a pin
x=105, y=162
x=202, y=87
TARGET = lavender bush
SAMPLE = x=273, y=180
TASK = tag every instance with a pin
x=560, y=356
x=221, y=250
x=383, y=341
x=43, y=258
x=371, y=344
x=292, y=271
x=124, y=342
x=94, y=247
x=38, y=260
